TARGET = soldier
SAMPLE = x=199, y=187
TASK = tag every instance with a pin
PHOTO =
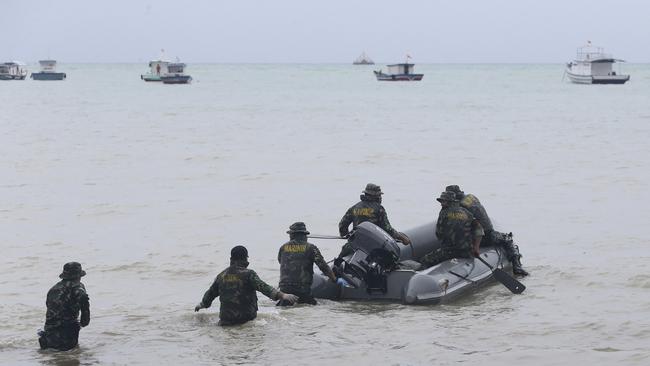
x=64, y=302
x=458, y=231
x=236, y=287
x=369, y=209
x=492, y=237
x=297, y=258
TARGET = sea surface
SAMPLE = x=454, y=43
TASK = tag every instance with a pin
x=149, y=186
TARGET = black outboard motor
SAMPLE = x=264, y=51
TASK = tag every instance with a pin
x=375, y=254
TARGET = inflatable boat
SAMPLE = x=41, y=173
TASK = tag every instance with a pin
x=383, y=269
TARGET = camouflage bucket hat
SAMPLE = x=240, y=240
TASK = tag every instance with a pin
x=298, y=227
x=239, y=252
x=71, y=271
x=454, y=188
x=447, y=196
x=373, y=190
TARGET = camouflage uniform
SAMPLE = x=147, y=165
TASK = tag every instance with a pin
x=65, y=301
x=236, y=288
x=369, y=209
x=492, y=237
x=456, y=229
x=297, y=258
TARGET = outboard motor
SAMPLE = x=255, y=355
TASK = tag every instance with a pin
x=375, y=254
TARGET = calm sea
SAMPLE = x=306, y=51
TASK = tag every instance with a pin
x=150, y=185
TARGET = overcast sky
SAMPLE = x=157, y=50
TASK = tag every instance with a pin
x=310, y=31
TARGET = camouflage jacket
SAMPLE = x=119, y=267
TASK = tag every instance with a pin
x=473, y=205
x=236, y=287
x=457, y=227
x=65, y=301
x=297, y=258
x=366, y=210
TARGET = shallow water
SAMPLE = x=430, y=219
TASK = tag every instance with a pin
x=149, y=186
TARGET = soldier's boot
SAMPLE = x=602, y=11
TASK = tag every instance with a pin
x=514, y=257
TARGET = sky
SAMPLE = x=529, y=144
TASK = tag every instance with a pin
x=332, y=31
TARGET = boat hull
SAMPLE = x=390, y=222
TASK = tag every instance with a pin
x=597, y=79
x=150, y=77
x=434, y=285
x=176, y=79
x=48, y=76
x=398, y=77
x=13, y=77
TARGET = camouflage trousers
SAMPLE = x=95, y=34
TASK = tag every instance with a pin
x=62, y=338
x=442, y=254
x=304, y=296
x=498, y=239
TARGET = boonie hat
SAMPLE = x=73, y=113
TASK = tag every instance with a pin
x=71, y=271
x=298, y=227
x=373, y=190
x=454, y=188
x=239, y=252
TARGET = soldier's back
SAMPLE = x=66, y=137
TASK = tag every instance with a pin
x=63, y=303
x=473, y=205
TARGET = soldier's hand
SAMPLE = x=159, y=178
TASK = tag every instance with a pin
x=199, y=307
x=290, y=298
x=476, y=252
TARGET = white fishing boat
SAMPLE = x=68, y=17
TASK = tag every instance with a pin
x=593, y=66
x=48, y=71
x=13, y=70
x=363, y=59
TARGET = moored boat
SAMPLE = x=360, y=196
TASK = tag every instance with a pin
x=399, y=72
x=593, y=66
x=48, y=71
x=12, y=71
x=363, y=59
x=176, y=74
x=382, y=269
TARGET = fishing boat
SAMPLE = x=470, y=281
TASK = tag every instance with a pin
x=399, y=72
x=176, y=74
x=48, y=71
x=12, y=71
x=593, y=66
x=363, y=59
x=380, y=268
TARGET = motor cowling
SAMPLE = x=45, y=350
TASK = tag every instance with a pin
x=375, y=254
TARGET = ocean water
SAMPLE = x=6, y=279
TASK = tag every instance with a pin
x=150, y=185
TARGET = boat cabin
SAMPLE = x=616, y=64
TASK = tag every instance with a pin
x=158, y=67
x=403, y=69
x=593, y=61
x=176, y=68
x=47, y=65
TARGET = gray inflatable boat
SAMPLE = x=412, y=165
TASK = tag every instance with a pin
x=383, y=269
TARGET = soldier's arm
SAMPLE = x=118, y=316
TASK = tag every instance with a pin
x=280, y=255
x=320, y=262
x=263, y=287
x=210, y=295
x=84, y=305
x=385, y=224
x=344, y=224
x=440, y=225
